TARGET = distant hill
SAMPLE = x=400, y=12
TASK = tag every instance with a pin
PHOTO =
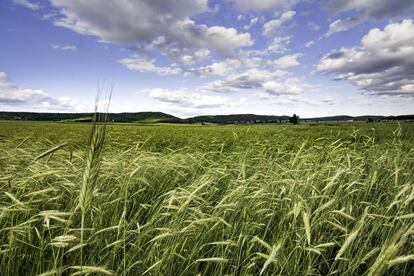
x=117, y=117
x=361, y=118
x=237, y=118
x=347, y=118
x=400, y=117
x=159, y=117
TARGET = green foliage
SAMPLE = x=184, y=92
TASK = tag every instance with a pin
x=212, y=200
x=294, y=119
x=87, y=117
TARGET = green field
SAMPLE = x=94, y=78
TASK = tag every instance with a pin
x=311, y=199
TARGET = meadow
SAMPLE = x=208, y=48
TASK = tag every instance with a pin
x=274, y=199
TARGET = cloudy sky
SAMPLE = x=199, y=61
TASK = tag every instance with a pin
x=192, y=57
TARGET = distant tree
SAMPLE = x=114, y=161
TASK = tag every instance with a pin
x=294, y=119
x=370, y=120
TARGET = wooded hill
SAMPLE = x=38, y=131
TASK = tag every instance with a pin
x=159, y=117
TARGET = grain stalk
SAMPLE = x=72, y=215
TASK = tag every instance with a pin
x=92, y=166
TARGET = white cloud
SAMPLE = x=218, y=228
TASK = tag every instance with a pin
x=14, y=96
x=221, y=68
x=231, y=65
x=382, y=65
x=253, y=21
x=139, y=23
x=224, y=40
x=10, y=93
x=367, y=10
x=289, y=86
x=63, y=47
x=272, y=26
x=261, y=5
x=252, y=78
x=279, y=44
x=309, y=44
x=143, y=65
x=288, y=61
x=198, y=56
x=373, y=9
x=188, y=57
x=187, y=99
x=285, y=87
x=27, y=4
x=342, y=25
x=287, y=92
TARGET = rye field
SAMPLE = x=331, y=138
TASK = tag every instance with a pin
x=311, y=199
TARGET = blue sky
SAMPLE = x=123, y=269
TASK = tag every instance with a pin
x=193, y=57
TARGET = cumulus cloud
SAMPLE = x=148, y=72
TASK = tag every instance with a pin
x=382, y=65
x=136, y=63
x=372, y=10
x=272, y=26
x=27, y=4
x=186, y=99
x=14, y=96
x=286, y=87
x=252, y=78
x=288, y=91
x=279, y=44
x=189, y=58
x=253, y=21
x=231, y=65
x=140, y=23
x=342, y=25
x=249, y=5
x=221, y=68
x=288, y=61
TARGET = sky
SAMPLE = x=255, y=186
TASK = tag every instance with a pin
x=205, y=57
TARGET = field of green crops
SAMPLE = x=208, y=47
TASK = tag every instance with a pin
x=311, y=199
